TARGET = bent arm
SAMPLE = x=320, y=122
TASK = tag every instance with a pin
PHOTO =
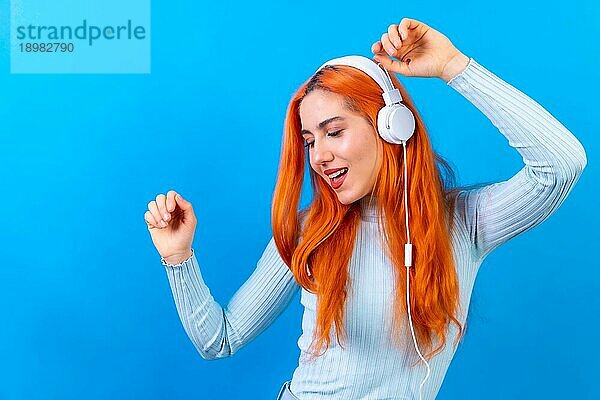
x=218, y=332
x=554, y=160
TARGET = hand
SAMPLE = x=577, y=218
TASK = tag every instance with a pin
x=420, y=51
x=171, y=222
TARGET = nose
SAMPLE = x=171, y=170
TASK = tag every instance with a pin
x=321, y=153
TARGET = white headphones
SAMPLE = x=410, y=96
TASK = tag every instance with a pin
x=396, y=124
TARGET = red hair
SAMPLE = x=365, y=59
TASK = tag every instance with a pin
x=324, y=240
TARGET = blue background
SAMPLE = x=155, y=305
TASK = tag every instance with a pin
x=86, y=307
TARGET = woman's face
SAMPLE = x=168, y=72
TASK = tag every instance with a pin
x=339, y=138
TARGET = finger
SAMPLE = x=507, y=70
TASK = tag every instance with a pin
x=387, y=45
x=384, y=60
x=161, y=201
x=153, y=208
x=394, y=36
x=405, y=25
x=171, y=200
x=183, y=203
x=149, y=218
x=376, y=47
x=403, y=28
x=392, y=65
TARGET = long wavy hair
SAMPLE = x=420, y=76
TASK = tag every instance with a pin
x=322, y=242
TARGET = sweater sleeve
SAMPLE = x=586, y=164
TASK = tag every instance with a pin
x=554, y=160
x=218, y=332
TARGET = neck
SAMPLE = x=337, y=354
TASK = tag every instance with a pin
x=368, y=206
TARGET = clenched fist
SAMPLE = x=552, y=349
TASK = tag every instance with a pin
x=171, y=223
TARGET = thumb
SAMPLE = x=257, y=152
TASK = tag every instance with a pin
x=182, y=203
x=392, y=65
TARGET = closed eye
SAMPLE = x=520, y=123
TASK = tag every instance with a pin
x=310, y=145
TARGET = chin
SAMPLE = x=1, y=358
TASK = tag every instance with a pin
x=347, y=198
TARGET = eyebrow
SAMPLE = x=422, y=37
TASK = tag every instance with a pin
x=323, y=123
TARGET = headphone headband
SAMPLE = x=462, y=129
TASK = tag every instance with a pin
x=391, y=95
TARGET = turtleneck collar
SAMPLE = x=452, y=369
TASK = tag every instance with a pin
x=368, y=206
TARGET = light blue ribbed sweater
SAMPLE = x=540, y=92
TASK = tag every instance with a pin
x=370, y=367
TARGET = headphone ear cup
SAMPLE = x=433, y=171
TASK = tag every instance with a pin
x=382, y=121
x=399, y=119
x=402, y=123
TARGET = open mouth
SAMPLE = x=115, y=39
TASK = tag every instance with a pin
x=337, y=178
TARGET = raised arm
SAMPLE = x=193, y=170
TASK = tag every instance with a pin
x=220, y=332
x=554, y=160
x=553, y=157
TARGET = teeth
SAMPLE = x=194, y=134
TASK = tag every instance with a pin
x=338, y=173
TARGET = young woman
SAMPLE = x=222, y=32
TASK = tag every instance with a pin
x=375, y=326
